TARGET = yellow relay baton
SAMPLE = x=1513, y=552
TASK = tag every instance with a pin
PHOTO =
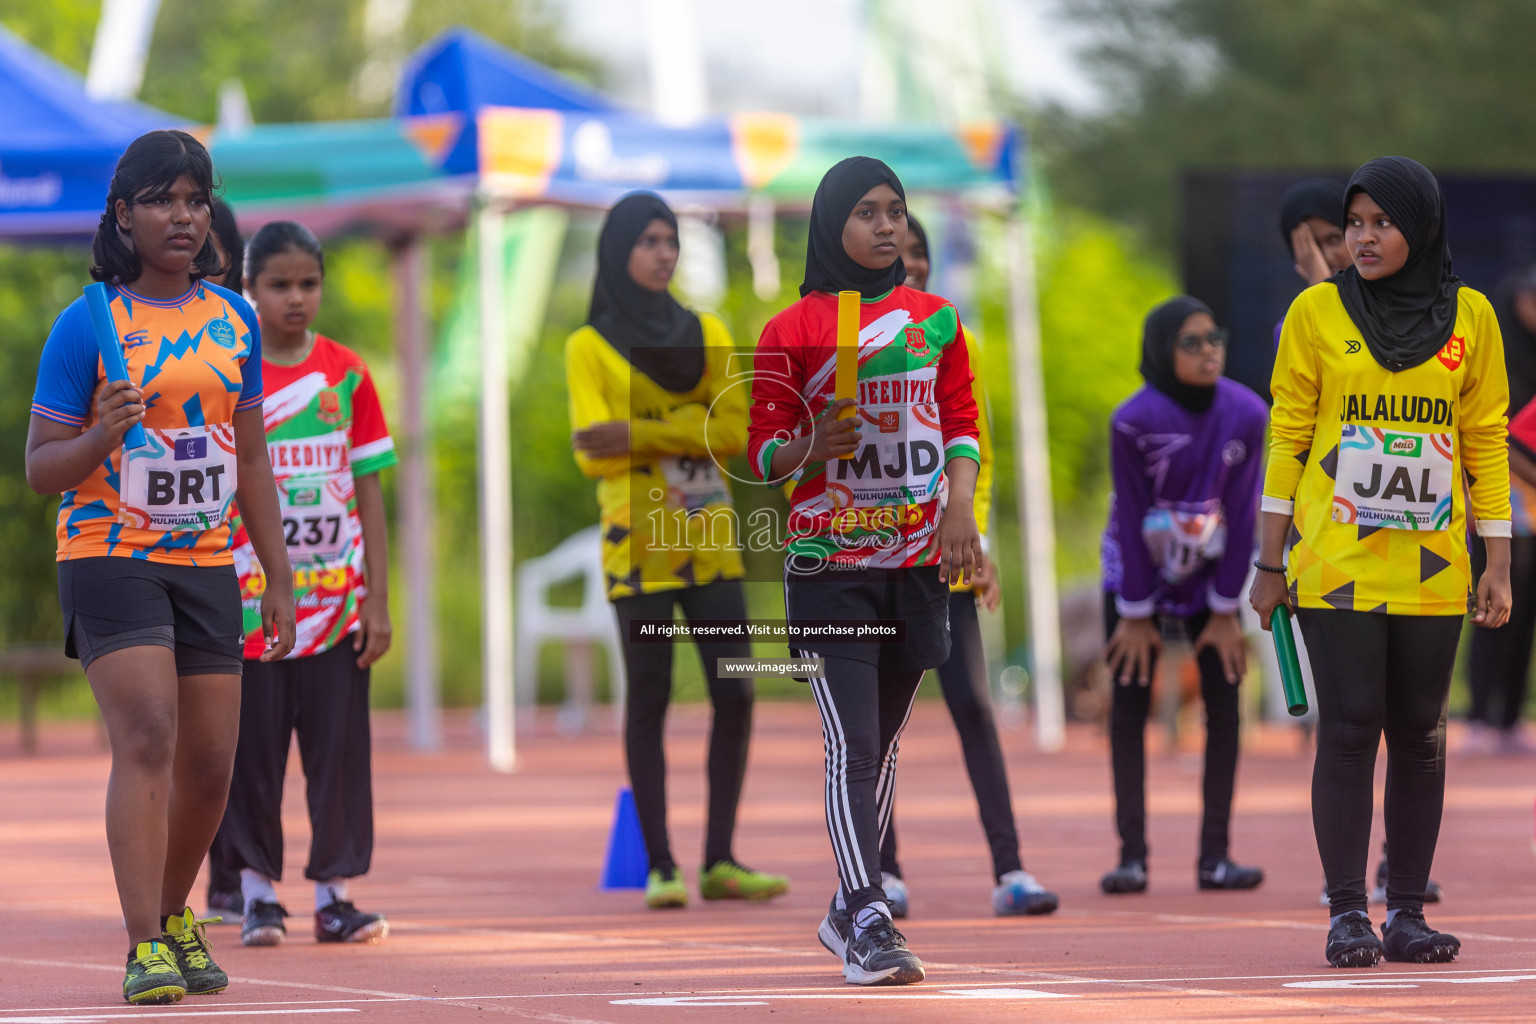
x=846, y=384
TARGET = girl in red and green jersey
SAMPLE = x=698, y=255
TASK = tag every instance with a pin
x=328, y=443
x=146, y=581
x=876, y=535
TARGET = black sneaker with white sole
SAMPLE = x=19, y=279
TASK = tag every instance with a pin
x=879, y=956
x=263, y=924
x=1409, y=939
x=1228, y=874
x=1128, y=877
x=1352, y=942
x=835, y=931
x=340, y=921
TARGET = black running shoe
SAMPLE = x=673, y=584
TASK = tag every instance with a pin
x=835, y=931
x=1128, y=877
x=342, y=922
x=1432, y=891
x=1408, y=939
x=1352, y=943
x=1228, y=874
x=880, y=957
x=263, y=924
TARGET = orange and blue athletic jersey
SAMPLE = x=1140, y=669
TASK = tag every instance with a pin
x=197, y=361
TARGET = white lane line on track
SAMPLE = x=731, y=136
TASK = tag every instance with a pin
x=1383, y=975
x=139, y=1014
x=903, y=996
x=117, y=969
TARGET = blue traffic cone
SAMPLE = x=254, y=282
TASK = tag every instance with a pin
x=627, y=863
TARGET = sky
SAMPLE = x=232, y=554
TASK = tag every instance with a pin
x=801, y=56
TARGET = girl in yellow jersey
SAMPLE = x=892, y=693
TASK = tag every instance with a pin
x=963, y=677
x=1389, y=416
x=651, y=413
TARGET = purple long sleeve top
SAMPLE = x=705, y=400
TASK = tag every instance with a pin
x=1186, y=491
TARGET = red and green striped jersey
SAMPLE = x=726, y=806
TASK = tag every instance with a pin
x=880, y=508
x=325, y=428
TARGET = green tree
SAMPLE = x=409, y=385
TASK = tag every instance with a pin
x=1303, y=84
x=304, y=61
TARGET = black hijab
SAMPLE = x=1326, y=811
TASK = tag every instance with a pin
x=1310, y=197
x=828, y=267
x=1519, y=342
x=1159, y=336
x=658, y=336
x=1408, y=317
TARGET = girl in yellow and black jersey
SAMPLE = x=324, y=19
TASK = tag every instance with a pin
x=652, y=410
x=1389, y=418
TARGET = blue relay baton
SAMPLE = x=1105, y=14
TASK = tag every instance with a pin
x=111, y=349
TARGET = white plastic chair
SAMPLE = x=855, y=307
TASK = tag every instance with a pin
x=578, y=556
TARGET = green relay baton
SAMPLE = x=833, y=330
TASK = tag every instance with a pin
x=1290, y=666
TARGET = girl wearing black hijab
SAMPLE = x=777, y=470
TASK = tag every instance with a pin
x=964, y=681
x=1312, y=224
x=871, y=538
x=1498, y=666
x=652, y=417
x=1184, y=457
x=1389, y=391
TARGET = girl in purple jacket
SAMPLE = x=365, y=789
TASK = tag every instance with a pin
x=1186, y=453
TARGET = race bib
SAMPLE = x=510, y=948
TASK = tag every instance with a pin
x=1182, y=542
x=693, y=482
x=182, y=480
x=1400, y=479
x=314, y=487
x=900, y=457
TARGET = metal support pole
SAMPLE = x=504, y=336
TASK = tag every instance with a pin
x=416, y=498
x=1032, y=461
x=495, y=449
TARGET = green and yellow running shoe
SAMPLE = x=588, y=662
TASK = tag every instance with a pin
x=665, y=890
x=728, y=880
x=187, y=938
x=152, y=975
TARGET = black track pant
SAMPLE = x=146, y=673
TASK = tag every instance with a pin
x=963, y=680
x=1499, y=664
x=324, y=699
x=1128, y=755
x=863, y=711
x=1379, y=673
x=650, y=690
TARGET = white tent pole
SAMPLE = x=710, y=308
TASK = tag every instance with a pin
x=1032, y=461
x=416, y=499
x=495, y=450
x=123, y=34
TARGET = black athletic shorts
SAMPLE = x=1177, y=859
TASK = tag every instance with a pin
x=914, y=596
x=115, y=603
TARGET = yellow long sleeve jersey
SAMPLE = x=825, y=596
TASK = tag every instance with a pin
x=1375, y=466
x=666, y=510
x=984, y=474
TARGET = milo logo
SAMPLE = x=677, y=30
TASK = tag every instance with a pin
x=1410, y=445
x=304, y=496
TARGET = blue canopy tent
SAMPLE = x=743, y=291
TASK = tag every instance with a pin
x=461, y=71
x=58, y=146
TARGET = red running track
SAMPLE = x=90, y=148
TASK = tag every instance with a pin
x=489, y=881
